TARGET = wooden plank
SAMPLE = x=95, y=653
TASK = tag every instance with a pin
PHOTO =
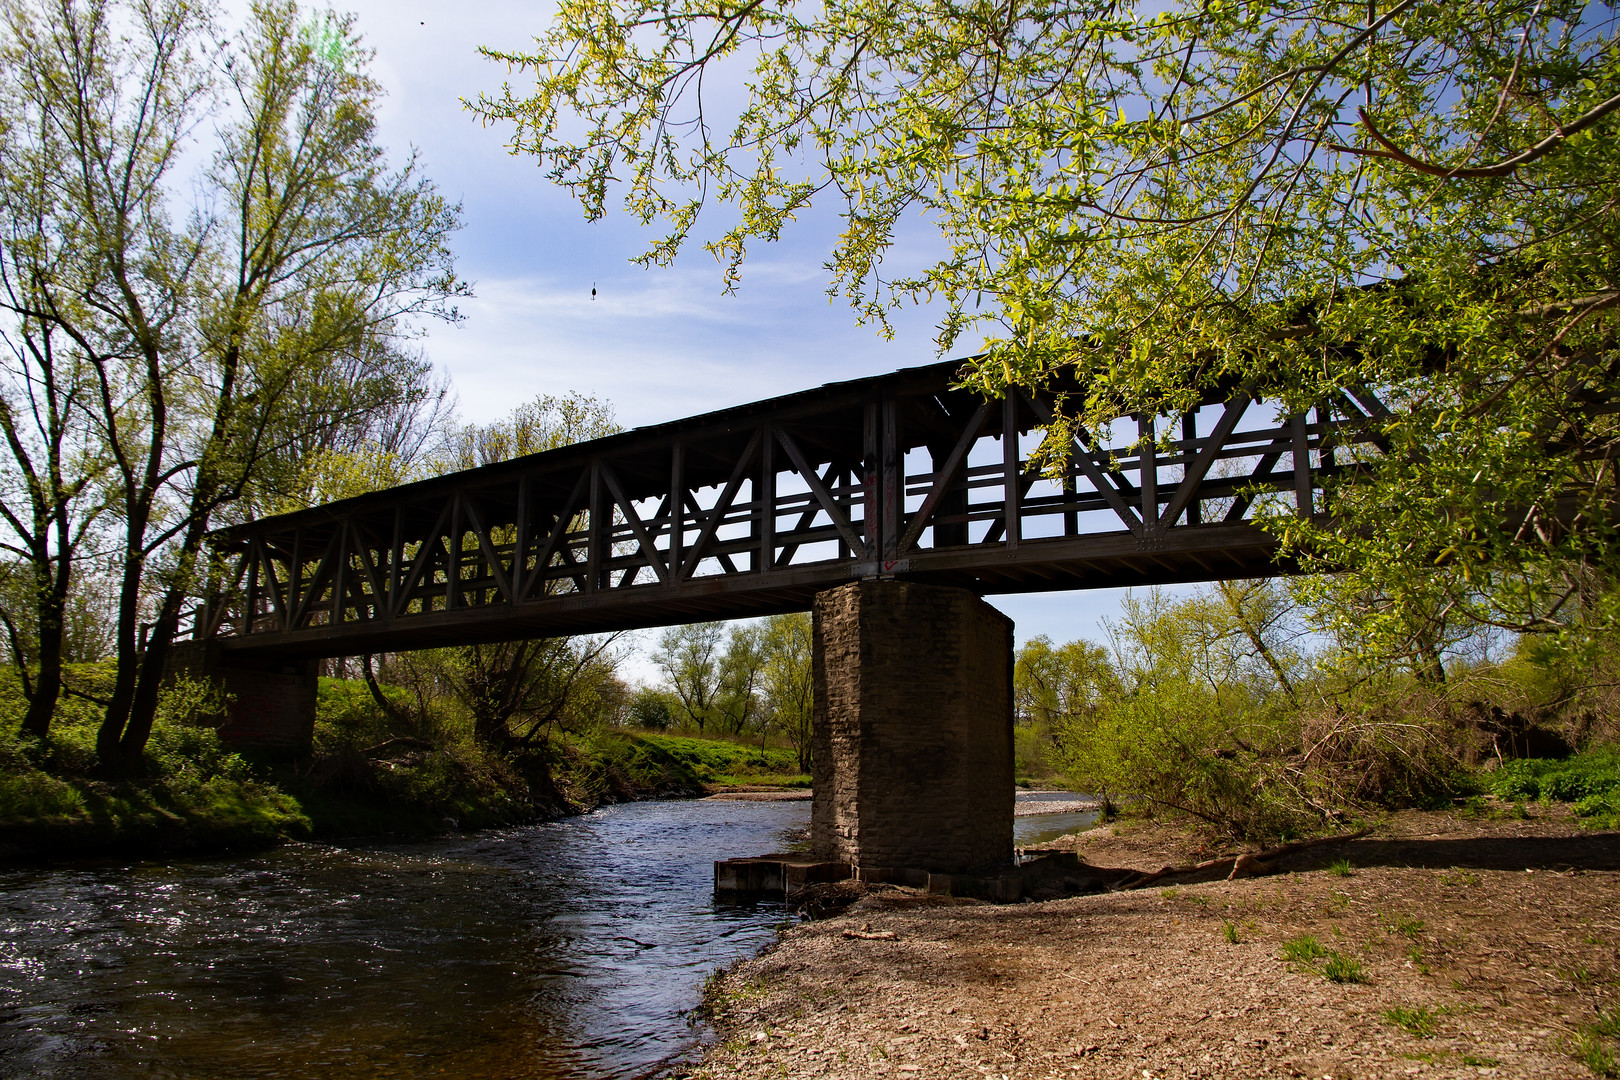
x=1189, y=436
x=1240, y=503
x=1147, y=463
x=1302, y=465
x=518, y=572
x=363, y=550
x=871, y=469
x=452, y=557
x=891, y=482
x=424, y=558
x=1010, y=478
x=396, y=555
x=766, y=518
x=481, y=531
x=565, y=516
x=316, y=580
x=1088, y=465
x=677, y=503
x=598, y=532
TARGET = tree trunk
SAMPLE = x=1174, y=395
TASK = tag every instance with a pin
x=48, y=686
x=153, y=667
x=129, y=660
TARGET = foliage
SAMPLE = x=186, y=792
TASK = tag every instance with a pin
x=689, y=657
x=223, y=339
x=191, y=791
x=1156, y=206
x=1590, y=780
x=788, y=681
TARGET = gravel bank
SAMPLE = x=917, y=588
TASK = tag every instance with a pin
x=1487, y=948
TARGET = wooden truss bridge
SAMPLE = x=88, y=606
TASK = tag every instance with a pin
x=756, y=509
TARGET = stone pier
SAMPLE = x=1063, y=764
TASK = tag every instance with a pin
x=269, y=705
x=913, y=729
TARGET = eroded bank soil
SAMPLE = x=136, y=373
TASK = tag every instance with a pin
x=1488, y=947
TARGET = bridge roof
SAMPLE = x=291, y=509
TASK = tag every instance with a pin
x=938, y=375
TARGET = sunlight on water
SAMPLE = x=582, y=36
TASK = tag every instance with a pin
x=574, y=948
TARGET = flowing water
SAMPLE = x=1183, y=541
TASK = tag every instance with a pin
x=575, y=948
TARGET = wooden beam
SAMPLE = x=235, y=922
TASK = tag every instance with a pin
x=1194, y=474
x=819, y=490
x=648, y=549
x=721, y=505
x=944, y=477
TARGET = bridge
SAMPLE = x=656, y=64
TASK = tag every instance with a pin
x=887, y=505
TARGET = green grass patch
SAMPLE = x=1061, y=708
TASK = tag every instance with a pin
x=1340, y=968
x=1303, y=949
x=1419, y=1022
x=717, y=761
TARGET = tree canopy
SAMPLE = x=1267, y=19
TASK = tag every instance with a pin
x=1411, y=197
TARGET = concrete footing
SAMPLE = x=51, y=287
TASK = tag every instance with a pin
x=267, y=706
x=782, y=877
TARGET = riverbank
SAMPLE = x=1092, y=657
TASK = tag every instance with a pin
x=1441, y=945
x=193, y=796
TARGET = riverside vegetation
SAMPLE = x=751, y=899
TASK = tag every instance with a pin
x=371, y=772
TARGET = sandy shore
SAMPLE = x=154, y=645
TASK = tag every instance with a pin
x=1482, y=948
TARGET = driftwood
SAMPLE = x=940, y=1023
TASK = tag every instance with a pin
x=1249, y=864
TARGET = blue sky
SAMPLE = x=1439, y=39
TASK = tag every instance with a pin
x=658, y=344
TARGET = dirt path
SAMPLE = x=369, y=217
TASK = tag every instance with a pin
x=1487, y=948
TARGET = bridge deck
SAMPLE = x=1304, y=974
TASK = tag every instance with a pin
x=754, y=509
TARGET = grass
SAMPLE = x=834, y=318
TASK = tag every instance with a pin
x=1341, y=868
x=1229, y=931
x=715, y=761
x=1336, y=966
x=1419, y=1022
x=1340, y=968
x=1303, y=949
x=1592, y=1051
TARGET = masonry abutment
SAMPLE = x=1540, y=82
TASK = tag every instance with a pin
x=268, y=705
x=913, y=734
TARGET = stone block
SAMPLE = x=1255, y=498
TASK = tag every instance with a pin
x=913, y=728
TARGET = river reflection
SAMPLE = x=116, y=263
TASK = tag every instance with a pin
x=570, y=949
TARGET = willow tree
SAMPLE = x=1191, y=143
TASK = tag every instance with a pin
x=216, y=336
x=1413, y=197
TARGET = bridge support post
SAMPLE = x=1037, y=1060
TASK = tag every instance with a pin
x=913, y=736
x=268, y=705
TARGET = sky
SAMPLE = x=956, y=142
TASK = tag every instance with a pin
x=657, y=343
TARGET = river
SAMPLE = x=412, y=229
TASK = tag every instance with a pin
x=574, y=948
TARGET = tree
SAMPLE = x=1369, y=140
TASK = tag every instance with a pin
x=1302, y=201
x=689, y=656
x=742, y=665
x=1056, y=684
x=51, y=488
x=271, y=314
x=787, y=680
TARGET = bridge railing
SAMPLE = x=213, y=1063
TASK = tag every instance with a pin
x=753, y=510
